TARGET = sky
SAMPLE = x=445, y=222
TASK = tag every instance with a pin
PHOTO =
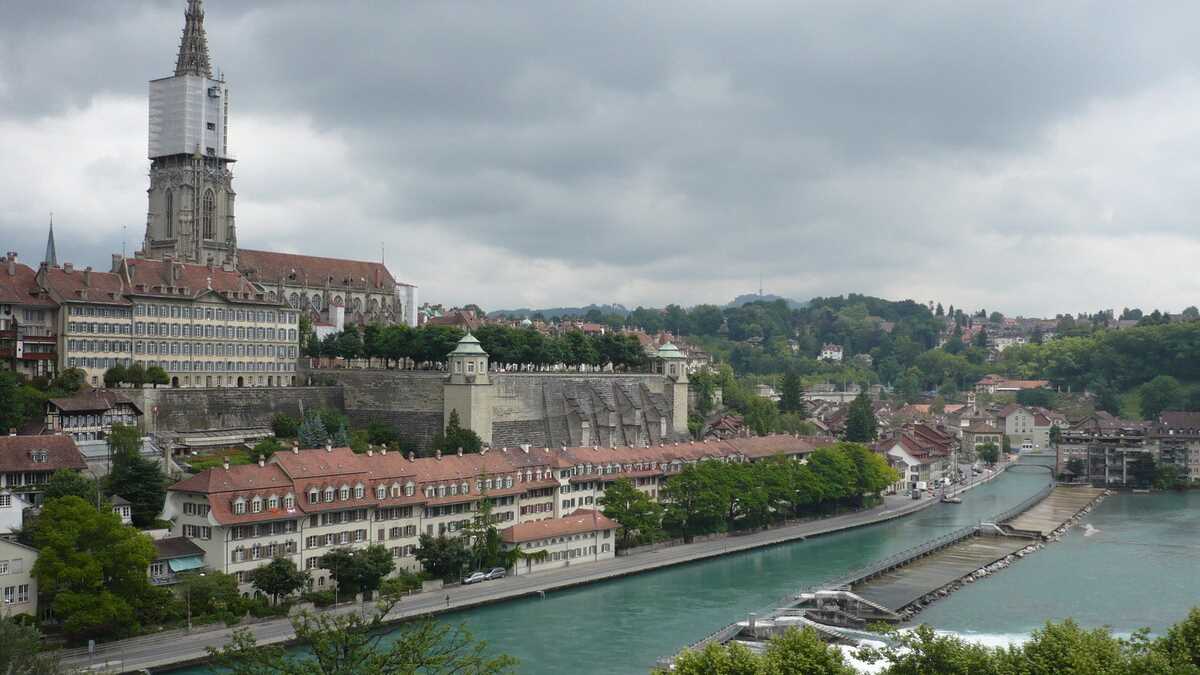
x=1031, y=158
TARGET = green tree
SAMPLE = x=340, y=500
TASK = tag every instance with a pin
x=312, y=433
x=694, y=505
x=358, y=570
x=442, y=557
x=135, y=374
x=803, y=651
x=212, y=595
x=284, y=426
x=639, y=516
x=349, y=644
x=265, y=448
x=135, y=477
x=456, y=436
x=1181, y=645
x=93, y=568
x=341, y=437
x=716, y=659
x=67, y=483
x=278, y=578
x=1162, y=393
x=860, y=420
x=155, y=375
x=21, y=651
x=762, y=415
x=114, y=376
x=989, y=453
x=791, y=394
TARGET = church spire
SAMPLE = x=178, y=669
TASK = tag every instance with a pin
x=51, y=257
x=193, y=48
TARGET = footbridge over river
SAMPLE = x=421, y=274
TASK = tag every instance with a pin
x=893, y=588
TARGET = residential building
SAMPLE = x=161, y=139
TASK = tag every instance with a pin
x=980, y=433
x=90, y=414
x=304, y=503
x=12, y=512
x=172, y=556
x=1027, y=429
x=583, y=536
x=94, y=322
x=123, y=508
x=923, y=454
x=27, y=462
x=1105, y=447
x=1177, y=439
x=18, y=586
x=28, y=336
x=831, y=352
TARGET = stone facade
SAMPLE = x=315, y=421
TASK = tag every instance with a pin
x=186, y=410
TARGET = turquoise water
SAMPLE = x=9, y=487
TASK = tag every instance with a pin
x=1134, y=567
x=622, y=626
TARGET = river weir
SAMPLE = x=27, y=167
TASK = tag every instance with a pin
x=896, y=588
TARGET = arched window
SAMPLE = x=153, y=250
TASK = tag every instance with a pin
x=358, y=491
x=344, y=493
x=409, y=488
x=380, y=492
x=169, y=223
x=210, y=214
x=329, y=494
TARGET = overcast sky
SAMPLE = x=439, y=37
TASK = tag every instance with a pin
x=1028, y=157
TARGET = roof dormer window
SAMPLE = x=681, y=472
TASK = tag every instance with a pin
x=329, y=494
x=358, y=491
x=380, y=492
x=256, y=505
x=314, y=496
x=239, y=506
x=344, y=493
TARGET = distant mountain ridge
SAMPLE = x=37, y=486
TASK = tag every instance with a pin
x=747, y=298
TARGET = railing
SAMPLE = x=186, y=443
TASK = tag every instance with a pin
x=893, y=560
x=1024, y=505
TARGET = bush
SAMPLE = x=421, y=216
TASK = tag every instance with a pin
x=318, y=598
x=284, y=426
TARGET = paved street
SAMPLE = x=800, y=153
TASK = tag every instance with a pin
x=178, y=646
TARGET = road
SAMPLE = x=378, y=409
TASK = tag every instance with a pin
x=179, y=646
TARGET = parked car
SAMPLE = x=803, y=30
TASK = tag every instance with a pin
x=495, y=573
x=475, y=577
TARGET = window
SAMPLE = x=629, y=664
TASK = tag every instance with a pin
x=239, y=506
x=329, y=494
x=209, y=214
x=169, y=221
x=5, y=501
x=358, y=491
x=344, y=493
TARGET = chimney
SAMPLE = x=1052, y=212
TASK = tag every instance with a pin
x=412, y=456
x=262, y=461
x=383, y=451
x=12, y=431
x=295, y=448
x=328, y=445
x=460, y=451
x=438, y=454
x=87, y=276
x=68, y=267
x=370, y=452
x=116, y=261
x=12, y=263
x=225, y=463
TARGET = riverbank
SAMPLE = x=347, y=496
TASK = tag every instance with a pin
x=176, y=648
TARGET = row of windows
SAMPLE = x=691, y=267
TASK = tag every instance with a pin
x=336, y=538
x=197, y=532
x=263, y=529
x=220, y=332
x=192, y=509
x=110, y=346
x=206, y=349
x=262, y=551
x=14, y=594
x=107, y=419
x=168, y=311
x=98, y=362
x=91, y=310
x=257, y=503
x=98, y=328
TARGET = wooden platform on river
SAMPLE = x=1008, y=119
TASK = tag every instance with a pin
x=903, y=586
x=1056, y=509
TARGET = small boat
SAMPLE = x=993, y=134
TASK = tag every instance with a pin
x=951, y=499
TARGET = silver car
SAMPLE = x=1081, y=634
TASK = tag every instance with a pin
x=495, y=573
x=475, y=577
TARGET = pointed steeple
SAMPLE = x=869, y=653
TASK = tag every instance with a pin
x=51, y=258
x=193, y=48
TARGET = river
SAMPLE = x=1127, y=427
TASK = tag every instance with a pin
x=1135, y=570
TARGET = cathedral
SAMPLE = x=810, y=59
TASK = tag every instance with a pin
x=190, y=215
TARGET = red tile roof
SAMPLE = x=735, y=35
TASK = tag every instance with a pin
x=272, y=267
x=579, y=522
x=93, y=400
x=16, y=453
x=83, y=285
x=21, y=288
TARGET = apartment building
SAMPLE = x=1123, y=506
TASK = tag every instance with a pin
x=18, y=587
x=90, y=415
x=27, y=462
x=584, y=536
x=302, y=504
x=28, y=339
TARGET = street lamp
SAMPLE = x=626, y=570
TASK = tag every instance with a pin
x=189, y=604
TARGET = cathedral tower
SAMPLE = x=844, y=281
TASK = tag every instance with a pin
x=190, y=214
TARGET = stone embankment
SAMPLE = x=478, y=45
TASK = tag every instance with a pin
x=909, y=612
